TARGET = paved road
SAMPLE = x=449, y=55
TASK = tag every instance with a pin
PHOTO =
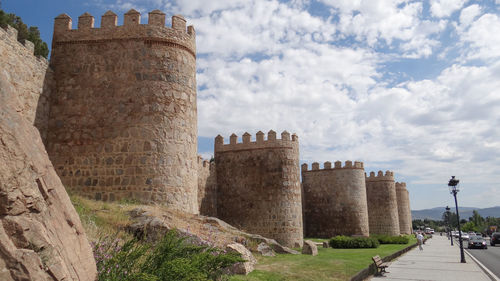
x=489, y=258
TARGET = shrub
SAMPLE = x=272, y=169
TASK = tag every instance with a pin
x=387, y=239
x=171, y=258
x=345, y=242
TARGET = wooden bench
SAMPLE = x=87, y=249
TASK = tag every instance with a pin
x=381, y=266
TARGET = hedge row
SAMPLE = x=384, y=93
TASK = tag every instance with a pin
x=387, y=239
x=346, y=242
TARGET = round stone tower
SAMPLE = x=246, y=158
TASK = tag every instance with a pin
x=404, y=210
x=335, y=200
x=382, y=204
x=123, y=120
x=259, y=186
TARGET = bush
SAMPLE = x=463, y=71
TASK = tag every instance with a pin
x=345, y=242
x=172, y=258
x=387, y=239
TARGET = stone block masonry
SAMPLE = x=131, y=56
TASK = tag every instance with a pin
x=335, y=200
x=382, y=203
x=30, y=77
x=123, y=120
x=259, y=186
x=404, y=211
x=207, y=188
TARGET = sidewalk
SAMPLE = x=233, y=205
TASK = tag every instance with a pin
x=437, y=262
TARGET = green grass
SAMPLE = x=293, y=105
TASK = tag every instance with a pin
x=329, y=264
x=100, y=219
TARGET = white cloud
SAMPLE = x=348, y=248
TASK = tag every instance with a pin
x=385, y=21
x=268, y=27
x=444, y=8
x=468, y=14
x=483, y=37
x=278, y=65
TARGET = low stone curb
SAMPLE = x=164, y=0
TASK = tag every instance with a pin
x=371, y=269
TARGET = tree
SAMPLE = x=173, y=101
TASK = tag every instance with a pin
x=470, y=226
x=476, y=218
x=24, y=33
x=450, y=220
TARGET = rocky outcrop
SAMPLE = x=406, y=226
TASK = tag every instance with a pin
x=242, y=267
x=309, y=248
x=265, y=250
x=154, y=221
x=41, y=236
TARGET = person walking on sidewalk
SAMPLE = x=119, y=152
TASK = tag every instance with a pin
x=420, y=239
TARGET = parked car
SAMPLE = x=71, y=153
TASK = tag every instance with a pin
x=495, y=238
x=477, y=242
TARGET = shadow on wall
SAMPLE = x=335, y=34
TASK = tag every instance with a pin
x=43, y=106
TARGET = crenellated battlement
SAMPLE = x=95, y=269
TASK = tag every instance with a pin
x=153, y=33
x=11, y=34
x=123, y=79
x=401, y=185
x=259, y=143
x=388, y=176
x=328, y=166
x=204, y=163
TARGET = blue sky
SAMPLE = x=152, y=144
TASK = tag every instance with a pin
x=408, y=86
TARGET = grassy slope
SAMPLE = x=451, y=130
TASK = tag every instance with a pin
x=329, y=264
x=102, y=219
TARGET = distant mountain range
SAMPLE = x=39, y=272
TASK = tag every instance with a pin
x=465, y=212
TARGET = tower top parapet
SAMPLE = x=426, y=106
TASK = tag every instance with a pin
x=401, y=185
x=11, y=34
x=337, y=165
x=246, y=144
x=155, y=30
x=388, y=176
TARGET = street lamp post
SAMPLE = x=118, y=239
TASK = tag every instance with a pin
x=448, y=214
x=452, y=184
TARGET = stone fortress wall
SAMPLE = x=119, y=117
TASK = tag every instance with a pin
x=29, y=76
x=123, y=121
x=335, y=200
x=123, y=124
x=382, y=203
x=404, y=211
x=259, y=187
x=207, y=188
x=42, y=237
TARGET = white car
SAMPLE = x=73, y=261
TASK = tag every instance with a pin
x=465, y=236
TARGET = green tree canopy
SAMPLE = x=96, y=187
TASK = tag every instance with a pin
x=24, y=33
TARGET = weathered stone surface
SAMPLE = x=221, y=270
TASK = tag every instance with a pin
x=335, y=200
x=258, y=186
x=155, y=221
x=309, y=248
x=382, y=203
x=41, y=236
x=404, y=211
x=241, y=267
x=123, y=115
x=29, y=76
x=207, y=188
x=265, y=250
